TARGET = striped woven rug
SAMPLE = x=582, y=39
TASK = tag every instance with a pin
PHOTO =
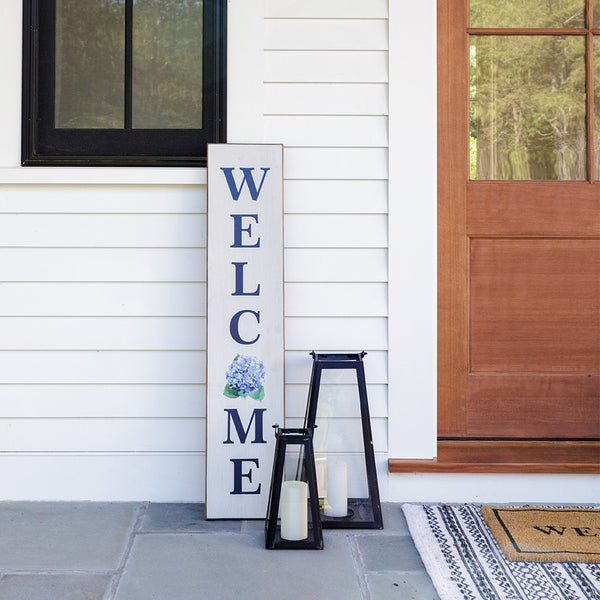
x=465, y=562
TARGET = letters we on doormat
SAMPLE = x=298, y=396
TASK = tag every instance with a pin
x=545, y=534
x=245, y=326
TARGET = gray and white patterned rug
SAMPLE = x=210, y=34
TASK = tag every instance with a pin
x=465, y=562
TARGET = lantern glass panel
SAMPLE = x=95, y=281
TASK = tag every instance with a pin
x=343, y=442
x=338, y=444
x=293, y=520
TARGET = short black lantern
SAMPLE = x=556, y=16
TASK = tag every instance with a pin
x=346, y=472
x=293, y=520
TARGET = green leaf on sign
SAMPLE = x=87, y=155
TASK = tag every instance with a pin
x=259, y=395
x=229, y=392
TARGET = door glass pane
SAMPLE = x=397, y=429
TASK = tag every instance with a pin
x=167, y=64
x=528, y=107
x=89, y=68
x=528, y=13
x=597, y=106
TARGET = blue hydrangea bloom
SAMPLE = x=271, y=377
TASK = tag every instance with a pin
x=245, y=377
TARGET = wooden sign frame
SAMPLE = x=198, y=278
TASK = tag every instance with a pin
x=245, y=329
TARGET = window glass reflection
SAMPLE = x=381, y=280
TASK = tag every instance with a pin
x=528, y=13
x=89, y=68
x=527, y=113
x=597, y=106
x=167, y=64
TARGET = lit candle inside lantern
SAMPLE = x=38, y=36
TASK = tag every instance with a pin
x=294, y=512
x=336, y=503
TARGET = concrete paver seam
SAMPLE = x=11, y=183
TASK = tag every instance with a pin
x=56, y=572
x=116, y=578
x=359, y=567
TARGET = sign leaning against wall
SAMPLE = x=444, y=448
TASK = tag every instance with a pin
x=245, y=344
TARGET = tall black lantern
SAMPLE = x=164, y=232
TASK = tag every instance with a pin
x=347, y=477
x=293, y=520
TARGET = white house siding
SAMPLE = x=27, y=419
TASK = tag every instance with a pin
x=102, y=304
x=103, y=283
x=325, y=99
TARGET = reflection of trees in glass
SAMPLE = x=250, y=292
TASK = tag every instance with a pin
x=528, y=13
x=89, y=71
x=528, y=107
x=597, y=99
x=167, y=64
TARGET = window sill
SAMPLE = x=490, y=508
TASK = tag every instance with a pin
x=490, y=456
x=103, y=175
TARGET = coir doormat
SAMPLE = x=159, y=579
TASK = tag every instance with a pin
x=546, y=534
x=465, y=562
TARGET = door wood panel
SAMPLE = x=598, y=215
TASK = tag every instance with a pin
x=508, y=208
x=547, y=406
x=535, y=305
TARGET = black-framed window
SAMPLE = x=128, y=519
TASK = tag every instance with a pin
x=122, y=82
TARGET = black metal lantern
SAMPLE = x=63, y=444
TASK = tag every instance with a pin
x=351, y=498
x=293, y=520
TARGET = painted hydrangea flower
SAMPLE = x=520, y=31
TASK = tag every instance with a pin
x=245, y=377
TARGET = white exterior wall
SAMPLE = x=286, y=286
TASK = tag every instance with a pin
x=102, y=271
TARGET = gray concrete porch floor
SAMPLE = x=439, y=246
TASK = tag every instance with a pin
x=148, y=551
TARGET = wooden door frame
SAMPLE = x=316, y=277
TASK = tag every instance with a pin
x=452, y=176
x=455, y=455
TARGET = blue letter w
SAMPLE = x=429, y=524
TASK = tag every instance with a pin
x=248, y=179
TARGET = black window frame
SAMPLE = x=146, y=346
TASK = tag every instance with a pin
x=45, y=145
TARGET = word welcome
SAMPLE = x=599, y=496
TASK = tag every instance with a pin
x=245, y=326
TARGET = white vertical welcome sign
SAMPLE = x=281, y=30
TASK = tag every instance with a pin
x=245, y=344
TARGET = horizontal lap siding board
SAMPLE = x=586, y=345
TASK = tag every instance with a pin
x=102, y=367
x=335, y=300
x=103, y=435
x=324, y=9
x=326, y=100
x=105, y=299
x=335, y=264
x=335, y=231
x=330, y=130
x=85, y=400
x=336, y=197
x=94, y=230
x=333, y=66
x=102, y=199
x=102, y=333
x=335, y=163
x=369, y=99
x=171, y=477
x=326, y=34
x=103, y=264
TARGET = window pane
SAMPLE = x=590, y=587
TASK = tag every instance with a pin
x=167, y=64
x=528, y=107
x=597, y=14
x=89, y=71
x=597, y=105
x=528, y=13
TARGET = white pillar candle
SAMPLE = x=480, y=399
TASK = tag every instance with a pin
x=294, y=512
x=336, y=503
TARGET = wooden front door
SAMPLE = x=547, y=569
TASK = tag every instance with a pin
x=519, y=220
